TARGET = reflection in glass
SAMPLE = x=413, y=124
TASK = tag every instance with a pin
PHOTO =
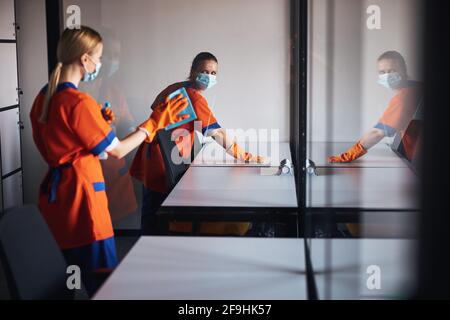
x=365, y=105
x=399, y=119
x=107, y=89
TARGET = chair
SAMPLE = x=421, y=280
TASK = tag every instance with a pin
x=174, y=172
x=197, y=147
x=34, y=265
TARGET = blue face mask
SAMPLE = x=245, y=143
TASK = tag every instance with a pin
x=91, y=76
x=391, y=80
x=206, y=81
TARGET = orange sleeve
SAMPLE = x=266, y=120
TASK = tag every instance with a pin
x=399, y=113
x=396, y=117
x=393, y=114
x=88, y=124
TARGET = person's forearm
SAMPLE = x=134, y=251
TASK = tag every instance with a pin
x=371, y=138
x=220, y=136
x=128, y=144
x=233, y=149
x=360, y=148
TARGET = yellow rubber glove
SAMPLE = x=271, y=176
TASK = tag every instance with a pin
x=355, y=152
x=240, y=154
x=163, y=115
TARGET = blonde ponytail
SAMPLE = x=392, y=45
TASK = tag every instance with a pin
x=52, y=85
x=73, y=44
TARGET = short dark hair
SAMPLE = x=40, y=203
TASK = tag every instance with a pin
x=398, y=58
x=202, y=56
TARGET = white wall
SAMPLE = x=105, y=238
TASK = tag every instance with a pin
x=344, y=97
x=160, y=38
x=400, y=31
x=334, y=70
x=33, y=74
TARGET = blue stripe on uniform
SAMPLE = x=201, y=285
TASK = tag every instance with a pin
x=104, y=144
x=51, y=185
x=61, y=87
x=97, y=255
x=211, y=127
x=389, y=131
x=66, y=85
x=99, y=186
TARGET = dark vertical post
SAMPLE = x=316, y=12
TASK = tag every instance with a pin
x=298, y=121
x=298, y=136
x=53, y=14
x=434, y=260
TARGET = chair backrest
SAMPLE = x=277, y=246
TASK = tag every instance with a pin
x=34, y=265
x=174, y=171
x=198, y=145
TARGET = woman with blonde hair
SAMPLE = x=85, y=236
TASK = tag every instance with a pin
x=71, y=131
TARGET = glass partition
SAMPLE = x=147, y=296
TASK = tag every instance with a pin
x=365, y=104
x=150, y=45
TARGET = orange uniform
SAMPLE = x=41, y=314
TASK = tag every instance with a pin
x=400, y=111
x=72, y=196
x=148, y=165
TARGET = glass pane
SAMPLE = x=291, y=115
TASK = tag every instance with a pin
x=149, y=45
x=365, y=104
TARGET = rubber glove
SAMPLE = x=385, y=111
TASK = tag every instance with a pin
x=355, y=152
x=163, y=115
x=108, y=114
x=237, y=152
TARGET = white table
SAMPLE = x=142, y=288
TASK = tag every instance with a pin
x=380, y=156
x=232, y=193
x=341, y=267
x=232, y=187
x=209, y=269
x=368, y=188
x=214, y=155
